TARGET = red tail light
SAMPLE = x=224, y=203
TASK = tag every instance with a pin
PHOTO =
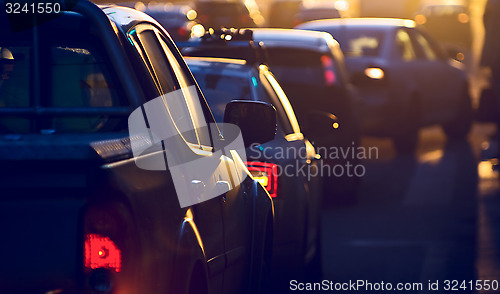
x=101, y=252
x=266, y=174
x=182, y=31
x=329, y=70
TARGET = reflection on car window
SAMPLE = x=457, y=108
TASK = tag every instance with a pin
x=79, y=80
x=358, y=42
x=296, y=66
x=192, y=100
x=404, y=45
x=219, y=90
x=425, y=47
x=165, y=68
x=75, y=76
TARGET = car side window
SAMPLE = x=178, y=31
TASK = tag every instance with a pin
x=79, y=78
x=281, y=102
x=185, y=110
x=404, y=46
x=425, y=49
x=15, y=90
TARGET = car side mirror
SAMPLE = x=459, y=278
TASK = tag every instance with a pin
x=256, y=120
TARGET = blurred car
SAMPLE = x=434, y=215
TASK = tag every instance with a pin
x=404, y=77
x=178, y=20
x=309, y=67
x=220, y=13
x=448, y=24
x=315, y=10
x=296, y=197
x=282, y=12
x=91, y=204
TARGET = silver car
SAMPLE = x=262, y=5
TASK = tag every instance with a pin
x=403, y=76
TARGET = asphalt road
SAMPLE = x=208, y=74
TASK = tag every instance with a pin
x=418, y=218
x=429, y=220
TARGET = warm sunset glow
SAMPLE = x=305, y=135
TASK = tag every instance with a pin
x=420, y=19
x=463, y=18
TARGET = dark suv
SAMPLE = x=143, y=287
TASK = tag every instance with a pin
x=91, y=208
x=296, y=196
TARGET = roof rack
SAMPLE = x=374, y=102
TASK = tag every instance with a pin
x=226, y=43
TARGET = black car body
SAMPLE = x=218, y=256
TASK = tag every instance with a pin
x=310, y=68
x=86, y=213
x=296, y=195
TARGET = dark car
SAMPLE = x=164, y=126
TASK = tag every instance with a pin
x=316, y=10
x=310, y=68
x=404, y=77
x=114, y=175
x=296, y=196
x=221, y=13
x=450, y=25
x=179, y=20
x=282, y=13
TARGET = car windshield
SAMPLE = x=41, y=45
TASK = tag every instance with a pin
x=357, y=42
x=219, y=90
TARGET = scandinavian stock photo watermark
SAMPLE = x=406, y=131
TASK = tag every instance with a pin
x=333, y=161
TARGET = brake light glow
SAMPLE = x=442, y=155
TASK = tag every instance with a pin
x=266, y=174
x=329, y=70
x=102, y=252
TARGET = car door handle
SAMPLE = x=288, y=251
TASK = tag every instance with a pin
x=198, y=185
x=222, y=188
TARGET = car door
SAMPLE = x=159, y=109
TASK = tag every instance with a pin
x=306, y=184
x=193, y=144
x=439, y=77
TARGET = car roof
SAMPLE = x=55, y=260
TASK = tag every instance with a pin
x=125, y=17
x=224, y=66
x=317, y=41
x=378, y=23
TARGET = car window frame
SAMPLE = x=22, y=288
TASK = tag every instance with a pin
x=132, y=35
x=291, y=127
x=399, y=55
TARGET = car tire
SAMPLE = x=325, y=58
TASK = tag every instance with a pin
x=461, y=125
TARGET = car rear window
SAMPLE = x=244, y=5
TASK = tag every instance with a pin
x=72, y=75
x=302, y=66
x=357, y=42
